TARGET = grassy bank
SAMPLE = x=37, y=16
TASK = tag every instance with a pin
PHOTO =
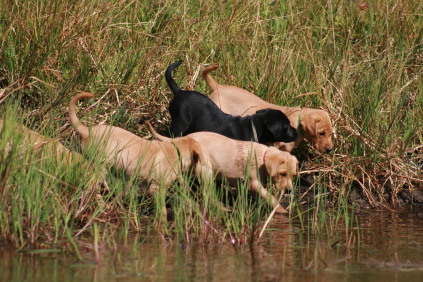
x=362, y=63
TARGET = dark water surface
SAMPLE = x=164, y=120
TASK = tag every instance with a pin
x=382, y=246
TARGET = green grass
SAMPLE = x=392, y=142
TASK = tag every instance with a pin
x=48, y=202
x=363, y=66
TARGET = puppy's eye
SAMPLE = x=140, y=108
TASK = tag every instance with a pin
x=283, y=174
x=322, y=134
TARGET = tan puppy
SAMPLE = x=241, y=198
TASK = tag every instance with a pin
x=230, y=159
x=158, y=162
x=313, y=125
x=35, y=142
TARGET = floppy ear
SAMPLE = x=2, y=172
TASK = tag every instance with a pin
x=280, y=127
x=274, y=127
x=293, y=165
x=309, y=124
x=271, y=122
x=272, y=162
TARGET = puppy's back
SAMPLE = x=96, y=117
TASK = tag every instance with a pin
x=228, y=156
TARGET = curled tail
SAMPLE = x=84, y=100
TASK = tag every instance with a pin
x=168, y=75
x=211, y=83
x=155, y=134
x=82, y=130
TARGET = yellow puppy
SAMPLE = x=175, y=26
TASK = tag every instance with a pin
x=313, y=125
x=230, y=159
x=158, y=162
x=36, y=142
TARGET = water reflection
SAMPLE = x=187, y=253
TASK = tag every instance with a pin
x=386, y=246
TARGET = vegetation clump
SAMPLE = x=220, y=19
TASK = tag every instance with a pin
x=361, y=63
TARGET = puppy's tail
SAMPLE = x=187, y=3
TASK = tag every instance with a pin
x=211, y=83
x=168, y=75
x=82, y=130
x=155, y=134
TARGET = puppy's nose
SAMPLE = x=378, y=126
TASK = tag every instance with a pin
x=288, y=189
x=329, y=149
x=289, y=186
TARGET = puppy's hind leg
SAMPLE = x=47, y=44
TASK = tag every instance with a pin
x=204, y=173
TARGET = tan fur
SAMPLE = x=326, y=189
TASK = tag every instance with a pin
x=35, y=141
x=159, y=162
x=230, y=159
x=236, y=101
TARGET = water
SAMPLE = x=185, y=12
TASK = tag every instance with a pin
x=385, y=246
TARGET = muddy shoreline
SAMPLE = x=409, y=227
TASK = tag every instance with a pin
x=403, y=199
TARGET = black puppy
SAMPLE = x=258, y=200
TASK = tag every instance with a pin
x=192, y=111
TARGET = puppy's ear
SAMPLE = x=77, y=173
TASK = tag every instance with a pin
x=278, y=124
x=272, y=161
x=309, y=124
x=293, y=165
x=274, y=127
x=281, y=129
x=271, y=122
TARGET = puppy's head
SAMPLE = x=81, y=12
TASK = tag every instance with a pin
x=277, y=123
x=317, y=129
x=189, y=152
x=281, y=167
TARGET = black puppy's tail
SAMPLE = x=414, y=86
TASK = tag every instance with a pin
x=168, y=75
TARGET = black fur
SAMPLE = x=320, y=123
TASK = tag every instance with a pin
x=192, y=111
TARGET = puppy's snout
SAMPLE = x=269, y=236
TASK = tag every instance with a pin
x=289, y=186
x=329, y=149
